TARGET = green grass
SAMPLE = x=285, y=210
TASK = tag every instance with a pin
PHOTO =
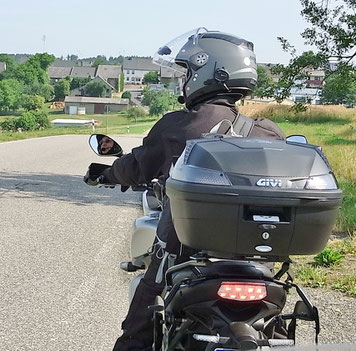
x=342, y=158
x=310, y=276
x=346, y=285
x=113, y=123
x=340, y=276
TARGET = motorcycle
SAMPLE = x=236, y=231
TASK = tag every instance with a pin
x=239, y=216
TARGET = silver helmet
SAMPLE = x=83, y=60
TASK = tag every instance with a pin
x=214, y=63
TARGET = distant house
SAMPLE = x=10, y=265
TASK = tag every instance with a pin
x=57, y=73
x=2, y=66
x=81, y=91
x=83, y=72
x=263, y=101
x=89, y=105
x=135, y=68
x=316, y=79
x=268, y=67
x=304, y=95
x=309, y=90
x=64, y=63
x=110, y=73
x=172, y=78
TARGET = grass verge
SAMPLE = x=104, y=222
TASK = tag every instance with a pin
x=339, y=275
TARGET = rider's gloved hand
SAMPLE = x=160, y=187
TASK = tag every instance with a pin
x=93, y=180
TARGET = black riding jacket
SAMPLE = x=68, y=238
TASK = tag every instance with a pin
x=166, y=140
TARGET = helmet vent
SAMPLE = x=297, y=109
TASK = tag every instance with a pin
x=201, y=59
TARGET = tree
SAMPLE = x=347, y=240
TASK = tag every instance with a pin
x=150, y=78
x=159, y=105
x=136, y=112
x=78, y=82
x=340, y=89
x=126, y=95
x=100, y=60
x=33, y=71
x=159, y=101
x=122, y=82
x=44, y=90
x=61, y=89
x=32, y=74
x=72, y=57
x=332, y=31
x=148, y=96
x=264, y=82
x=33, y=102
x=10, y=94
x=95, y=88
x=10, y=63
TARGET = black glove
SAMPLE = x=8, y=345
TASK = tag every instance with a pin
x=93, y=180
x=94, y=175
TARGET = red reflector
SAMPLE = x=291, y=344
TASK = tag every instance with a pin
x=240, y=291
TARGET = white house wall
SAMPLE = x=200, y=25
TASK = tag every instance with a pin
x=134, y=76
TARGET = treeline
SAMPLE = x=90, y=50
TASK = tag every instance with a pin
x=76, y=61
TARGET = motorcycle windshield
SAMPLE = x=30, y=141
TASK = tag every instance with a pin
x=165, y=56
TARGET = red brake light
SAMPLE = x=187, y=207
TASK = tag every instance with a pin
x=241, y=291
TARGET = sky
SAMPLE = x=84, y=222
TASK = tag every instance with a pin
x=112, y=28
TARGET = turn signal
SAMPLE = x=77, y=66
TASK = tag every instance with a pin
x=240, y=291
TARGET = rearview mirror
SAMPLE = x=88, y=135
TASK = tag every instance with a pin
x=103, y=145
x=301, y=139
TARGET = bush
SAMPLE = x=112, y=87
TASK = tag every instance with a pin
x=9, y=124
x=42, y=120
x=327, y=258
x=126, y=95
x=136, y=112
x=28, y=121
x=33, y=102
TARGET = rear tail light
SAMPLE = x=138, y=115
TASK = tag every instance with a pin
x=240, y=291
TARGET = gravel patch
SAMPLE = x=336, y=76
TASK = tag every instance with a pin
x=337, y=317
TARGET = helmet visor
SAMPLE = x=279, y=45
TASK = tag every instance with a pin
x=165, y=56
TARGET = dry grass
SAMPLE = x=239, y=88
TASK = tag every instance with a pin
x=313, y=114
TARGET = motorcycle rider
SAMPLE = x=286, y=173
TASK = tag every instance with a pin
x=220, y=69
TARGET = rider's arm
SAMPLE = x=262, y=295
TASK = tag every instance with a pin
x=141, y=165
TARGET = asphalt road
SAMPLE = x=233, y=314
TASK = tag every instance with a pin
x=61, y=243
